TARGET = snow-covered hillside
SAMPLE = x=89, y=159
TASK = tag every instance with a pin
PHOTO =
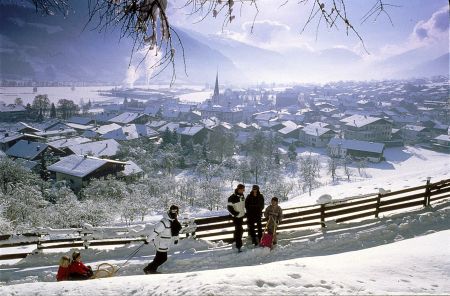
x=404, y=167
x=404, y=253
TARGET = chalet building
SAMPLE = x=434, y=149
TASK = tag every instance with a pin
x=356, y=149
x=78, y=170
x=289, y=130
x=31, y=150
x=317, y=134
x=415, y=133
x=197, y=133
x=9, y=139
x=366, y=128
x=131, y=118
x=12, y=112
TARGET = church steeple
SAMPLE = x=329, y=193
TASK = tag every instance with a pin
x=216, y=90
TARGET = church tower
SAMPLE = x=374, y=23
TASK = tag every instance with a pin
x=215, y=97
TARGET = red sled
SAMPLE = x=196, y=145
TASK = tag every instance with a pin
x=266, y=240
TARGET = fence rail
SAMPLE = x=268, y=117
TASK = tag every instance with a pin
x=222, y=227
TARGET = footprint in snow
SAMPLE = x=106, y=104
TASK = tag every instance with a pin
x=295, y=275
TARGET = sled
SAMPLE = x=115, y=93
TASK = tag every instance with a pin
x=267, y=238
x=104, y=270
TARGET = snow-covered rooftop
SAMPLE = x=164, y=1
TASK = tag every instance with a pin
x=80, y=120
x=26, y=149
x=315, y=130
x=69, y=142
x=131, y=132
x=190, y=130
x=359, y=120
x=98, y=148
x=126, y=117
x=78, y=165
x=357, y=145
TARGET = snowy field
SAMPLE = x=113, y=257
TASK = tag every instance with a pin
x=404, y=167
x=404, y=253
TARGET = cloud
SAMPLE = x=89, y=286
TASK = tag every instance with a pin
x=432, y=30
x=268, y=34
x=432, y=33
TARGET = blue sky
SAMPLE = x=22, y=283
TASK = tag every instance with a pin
x=279, y=27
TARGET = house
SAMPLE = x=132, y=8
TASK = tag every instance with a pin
x=130, y=118
x=131, y=172
x=415, y=133
x=289, y=130
x=131, y=132
x=12, y=112
x=31, y=150
x=317, y=134
x=77, y=170
x=366, y=128
x=105, y=148
x=8, y=139
x=197, y=133
x=356, y=149
x=442, y=143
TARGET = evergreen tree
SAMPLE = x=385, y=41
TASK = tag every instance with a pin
x=292, y=152
x=53, y=111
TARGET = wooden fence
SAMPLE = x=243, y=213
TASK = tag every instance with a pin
x=222, y=227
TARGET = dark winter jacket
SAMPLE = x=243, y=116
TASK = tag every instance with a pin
x=79, y=268
x=236, y=205
x=254, y=205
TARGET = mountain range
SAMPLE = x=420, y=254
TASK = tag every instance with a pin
x=54, y=48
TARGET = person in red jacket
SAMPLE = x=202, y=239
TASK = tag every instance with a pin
x=77, y=270
x=63, y=270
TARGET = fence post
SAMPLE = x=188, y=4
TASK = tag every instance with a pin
x=322, y=215
x=426, y=200
x=377, y=207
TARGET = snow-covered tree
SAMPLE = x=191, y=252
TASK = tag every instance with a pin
x=12, y=174
x=332, y=167
x=346, y=166
x=25, y=206
x=309, y=167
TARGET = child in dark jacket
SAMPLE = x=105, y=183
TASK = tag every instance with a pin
x=63, y=270
x=77, y=270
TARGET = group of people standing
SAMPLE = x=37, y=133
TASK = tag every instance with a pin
x=252, y=207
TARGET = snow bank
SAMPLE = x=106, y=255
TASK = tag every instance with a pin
x=196, y=265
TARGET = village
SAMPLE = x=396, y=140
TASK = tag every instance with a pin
x=350, y=120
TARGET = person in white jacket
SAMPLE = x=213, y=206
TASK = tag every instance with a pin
x=163, y=234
